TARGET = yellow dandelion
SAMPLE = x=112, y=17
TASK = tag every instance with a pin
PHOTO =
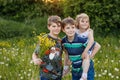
x=45, y=43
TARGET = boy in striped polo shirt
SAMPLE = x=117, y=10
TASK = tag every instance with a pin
x=74, y=46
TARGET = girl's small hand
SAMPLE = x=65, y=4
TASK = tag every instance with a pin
x=84, y=55
x=37, y=61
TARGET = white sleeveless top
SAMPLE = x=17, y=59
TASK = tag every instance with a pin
x=83, y=35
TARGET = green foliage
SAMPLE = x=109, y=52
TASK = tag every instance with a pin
x=39, y=24
x=9, y=29
x=22, y=9
x=28, y=28
x=104, y=14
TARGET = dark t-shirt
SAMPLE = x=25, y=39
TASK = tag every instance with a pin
x=51, y=68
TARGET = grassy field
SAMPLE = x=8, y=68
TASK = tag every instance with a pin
x=16, y=64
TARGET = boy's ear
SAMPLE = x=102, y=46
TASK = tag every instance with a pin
x=48, y=27
x=63, y=30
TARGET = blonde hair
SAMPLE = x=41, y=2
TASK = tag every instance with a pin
x=81, y=16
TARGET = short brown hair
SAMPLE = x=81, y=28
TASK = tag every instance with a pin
x=66, y=21
x=54, y=19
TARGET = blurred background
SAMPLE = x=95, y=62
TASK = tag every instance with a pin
x=22, y=20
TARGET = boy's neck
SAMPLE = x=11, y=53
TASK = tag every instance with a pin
x=53, y=36
x=70, y=38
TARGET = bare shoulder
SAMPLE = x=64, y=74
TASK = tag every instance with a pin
x=90, y=30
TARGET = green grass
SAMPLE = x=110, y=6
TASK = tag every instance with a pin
x=16, y=64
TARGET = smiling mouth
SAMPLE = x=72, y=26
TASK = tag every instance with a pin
x=70, y=33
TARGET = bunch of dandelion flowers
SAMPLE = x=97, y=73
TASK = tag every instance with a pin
x=45, y=43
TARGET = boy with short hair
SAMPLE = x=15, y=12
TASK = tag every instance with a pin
x=51, y=63
x=74, y=45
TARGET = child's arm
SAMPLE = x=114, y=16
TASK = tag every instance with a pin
x=35, y=58
x=90, y=43
x=95, y=49
x=67, y=63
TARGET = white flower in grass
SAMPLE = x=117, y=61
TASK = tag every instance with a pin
x=29, y=74
x=6, y=64
x=31, y=61
x=5, y=57
x=22, y=53
x=105, y=71
x=0, y=76
x=112, y=76
x=2, y=63
x=116, y=69
x=99, y=75
x=109, y=74
x=106, y=56
x=14, y=55
x=108, y=45
x=21, y=77
x=4, y=49
x=19, y=74
x=30, y=70
x=95, y=75
x=98, y=61
x=17, y=49
x=23, y=60
x=8, y=59
x=24, y=72
x=112, y=60
x=12, y=51
x=117, y=77
x=100, y=51
x=119, y=60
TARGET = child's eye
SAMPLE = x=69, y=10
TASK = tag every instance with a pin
x=73, y=27
x=59, y=25
x=86, y=21
x=67, y=28
x=53, y=26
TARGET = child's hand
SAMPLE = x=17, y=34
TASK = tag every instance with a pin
x=84, y=55
x=37, y=61
x=66, y=70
